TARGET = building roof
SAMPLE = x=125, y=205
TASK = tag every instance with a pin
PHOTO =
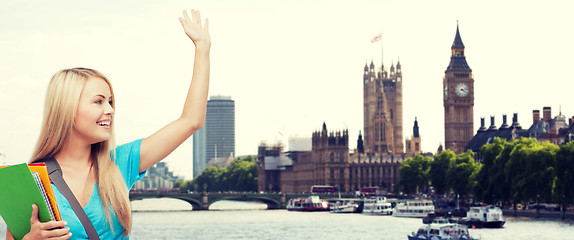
x=458, y=63
x=540, y=130
x=457, y=39
x=483, y=137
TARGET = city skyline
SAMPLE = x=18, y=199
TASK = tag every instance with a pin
x=288, y=66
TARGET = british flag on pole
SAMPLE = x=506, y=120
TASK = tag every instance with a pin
x=377, y=38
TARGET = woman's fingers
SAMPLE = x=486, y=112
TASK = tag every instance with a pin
x=196, y=17
x=34, y=217
x=53, y=224
x=60, y=232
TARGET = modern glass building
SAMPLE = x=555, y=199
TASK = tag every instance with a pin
x=217, y=137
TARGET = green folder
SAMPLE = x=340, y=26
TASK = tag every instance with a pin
x=18, y=191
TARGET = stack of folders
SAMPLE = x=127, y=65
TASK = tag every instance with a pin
x=21, y=186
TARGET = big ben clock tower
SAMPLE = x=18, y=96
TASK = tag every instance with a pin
x=458, y=85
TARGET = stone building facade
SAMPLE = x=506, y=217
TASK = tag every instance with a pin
x=328, y=163
x=374, y=162
x=383, y=109
x=458, y=98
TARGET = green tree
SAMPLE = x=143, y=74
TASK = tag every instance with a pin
x=498, y=177
x=562, y=191
x=530, y=169
x=240, y=175
x=488, y=182
x=414, y=174
x=462, y=174
x=438, y=171
x=211, y=177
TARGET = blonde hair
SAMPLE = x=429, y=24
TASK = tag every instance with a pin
x=62, y=99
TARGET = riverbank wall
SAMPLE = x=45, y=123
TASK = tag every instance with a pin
x=539, y=215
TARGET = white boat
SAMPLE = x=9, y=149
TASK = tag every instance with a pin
x=441, y=229
x=345, y=205
x=414, y=208
x=312, y=203
x=377, y=206
x=486, y=216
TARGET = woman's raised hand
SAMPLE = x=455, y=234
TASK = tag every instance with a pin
x=195, y=31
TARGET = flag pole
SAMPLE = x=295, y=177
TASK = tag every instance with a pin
x=382, y=61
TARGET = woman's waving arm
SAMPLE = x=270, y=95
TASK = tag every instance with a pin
x=160, y=144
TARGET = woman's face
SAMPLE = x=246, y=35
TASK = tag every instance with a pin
x=94, y=116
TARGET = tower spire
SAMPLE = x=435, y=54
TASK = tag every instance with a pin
x=457, y=39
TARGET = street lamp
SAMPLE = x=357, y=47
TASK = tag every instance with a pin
x=537, y=205
x=205, y=187
x=515, y=199
x=270, y=187
x=562, y=214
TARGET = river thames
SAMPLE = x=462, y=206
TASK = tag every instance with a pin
x=172, y=219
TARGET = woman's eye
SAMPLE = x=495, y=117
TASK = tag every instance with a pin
x=111, y=103
x=99, y=101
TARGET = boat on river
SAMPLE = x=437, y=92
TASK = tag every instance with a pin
x=414, y=208
x=377, y=206
x=346, y=205
x=441, y=229
x=308, y=204
x=484, y=217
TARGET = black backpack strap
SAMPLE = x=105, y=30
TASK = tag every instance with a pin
x=56, y=178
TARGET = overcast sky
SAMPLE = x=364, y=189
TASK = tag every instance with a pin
x=289, y=65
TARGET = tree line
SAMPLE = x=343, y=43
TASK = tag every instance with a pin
x=517, y=171
x=240, y=175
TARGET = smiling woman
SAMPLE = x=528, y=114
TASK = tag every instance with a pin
x=95, y=108
x=77, y=137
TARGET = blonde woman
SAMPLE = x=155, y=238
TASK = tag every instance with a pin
x=77, y=132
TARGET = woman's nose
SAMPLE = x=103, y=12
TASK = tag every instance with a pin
x=109, y=109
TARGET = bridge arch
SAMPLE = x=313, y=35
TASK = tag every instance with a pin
x=203, y=201
x=272, y=203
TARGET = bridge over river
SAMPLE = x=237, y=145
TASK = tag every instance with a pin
x=202, y=201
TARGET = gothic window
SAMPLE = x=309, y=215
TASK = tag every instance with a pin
x=332, y=157
x=383, y=133
x=341, y=157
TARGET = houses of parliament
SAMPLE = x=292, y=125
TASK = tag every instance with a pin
x=375, y=157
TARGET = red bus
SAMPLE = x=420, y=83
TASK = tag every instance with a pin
x=370, y=191
x=323, y=189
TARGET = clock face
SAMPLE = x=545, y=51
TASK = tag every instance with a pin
x=445, y=90
x=461, y=90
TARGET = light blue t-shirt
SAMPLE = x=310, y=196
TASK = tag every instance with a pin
x=128, y=161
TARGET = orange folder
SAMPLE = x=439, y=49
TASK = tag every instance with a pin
x=40, y=168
